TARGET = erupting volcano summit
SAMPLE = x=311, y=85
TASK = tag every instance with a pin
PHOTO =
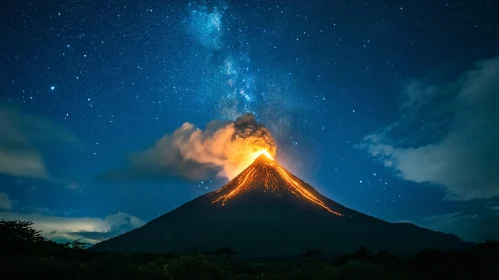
x=267, y=212
x=266, y=175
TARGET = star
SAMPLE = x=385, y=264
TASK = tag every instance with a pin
x=126, y=88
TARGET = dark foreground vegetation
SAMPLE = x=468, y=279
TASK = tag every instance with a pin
x=25, y=254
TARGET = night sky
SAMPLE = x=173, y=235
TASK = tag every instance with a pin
x=387, y=107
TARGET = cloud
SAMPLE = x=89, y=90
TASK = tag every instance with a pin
x=447, y=218
x=22, y=163
x=447, y=134
x=73, y=186
x=5, y=202
x=21, y=134
x=470, y=227
x=90, y=230
x=224, y=148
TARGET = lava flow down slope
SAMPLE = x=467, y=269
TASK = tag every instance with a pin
x=268, y=213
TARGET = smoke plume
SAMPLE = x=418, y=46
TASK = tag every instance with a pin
x=222, y=148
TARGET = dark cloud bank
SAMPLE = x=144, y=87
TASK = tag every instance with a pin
x=447, y=134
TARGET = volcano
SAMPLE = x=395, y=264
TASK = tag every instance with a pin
x=268, y=213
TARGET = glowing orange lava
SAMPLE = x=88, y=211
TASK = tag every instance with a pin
x=265, y=173
x=262, y=152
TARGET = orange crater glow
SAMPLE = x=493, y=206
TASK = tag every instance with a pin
x=262, y=152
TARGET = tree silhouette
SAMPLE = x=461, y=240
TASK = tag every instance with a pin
x=363, y=253
x=76, y=245
x=225, y=252
x=19, y=231
x=17, y=237
x=311, y=253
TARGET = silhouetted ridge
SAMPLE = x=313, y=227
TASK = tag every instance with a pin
x=267, y=212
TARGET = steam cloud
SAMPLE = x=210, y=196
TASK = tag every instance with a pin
x=191, y=153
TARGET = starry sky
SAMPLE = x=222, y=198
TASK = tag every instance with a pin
x=387, y=107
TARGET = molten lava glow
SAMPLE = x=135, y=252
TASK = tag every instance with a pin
x=262, y=152
x=267, y=175
x=246, y=156
x=304, y=192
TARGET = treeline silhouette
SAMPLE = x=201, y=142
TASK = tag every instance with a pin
x=25, y=254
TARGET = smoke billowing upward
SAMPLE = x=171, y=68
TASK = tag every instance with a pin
x=224, y=148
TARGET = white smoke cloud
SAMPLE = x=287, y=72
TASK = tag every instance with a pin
x=222, y=148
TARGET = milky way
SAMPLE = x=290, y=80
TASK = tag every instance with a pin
x=205, y=24
x=230, y=79
x=366, y=102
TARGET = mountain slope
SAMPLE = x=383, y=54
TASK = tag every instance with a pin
x=268, y=176
x=267, y=212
